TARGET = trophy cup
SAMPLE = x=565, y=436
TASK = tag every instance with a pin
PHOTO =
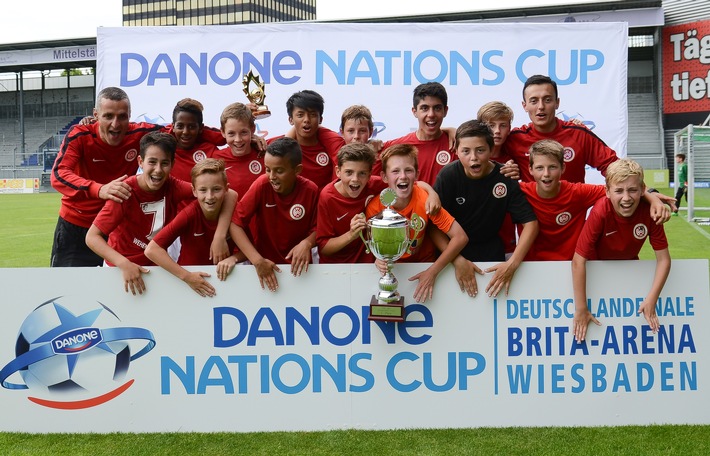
x=388, y=238
x=254, y=90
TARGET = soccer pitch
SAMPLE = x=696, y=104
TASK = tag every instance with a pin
x=25, y=241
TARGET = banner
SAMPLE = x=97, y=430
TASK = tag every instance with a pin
x=78, y=354
x=377, y=65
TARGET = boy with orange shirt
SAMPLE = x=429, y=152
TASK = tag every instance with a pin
x=400, y=172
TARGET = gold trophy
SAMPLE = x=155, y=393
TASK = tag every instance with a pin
x=388, y=238
x=254, y=90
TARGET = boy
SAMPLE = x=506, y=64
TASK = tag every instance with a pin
x=582, y=147
x=474, y=191
x=682, y=181
x=356, y=124
x=187, y=128
x=319, y=146
x=243, y=164
x=561, y=207
x=283, y=205
x=616, y=229
x=429, y=107
x=196, y=224
x=400, y=172
x=130, y=225
x=337, y=235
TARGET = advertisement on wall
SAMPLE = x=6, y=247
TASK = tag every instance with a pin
x=376, y=65
x=686, y=73
x=78, y=354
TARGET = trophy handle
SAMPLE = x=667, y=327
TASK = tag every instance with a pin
x=367, y=247
x=416, y=223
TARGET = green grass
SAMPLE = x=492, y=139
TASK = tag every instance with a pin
x=25, y=241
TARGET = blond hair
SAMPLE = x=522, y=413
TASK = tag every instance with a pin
x=357, y=112
x=237, y=111
x=208, y=166
x=494, y=110
x=621, y=170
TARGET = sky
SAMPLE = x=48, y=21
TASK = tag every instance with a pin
x=24, y=21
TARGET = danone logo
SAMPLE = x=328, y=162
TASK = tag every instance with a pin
x=76, y=341
x=73, y=353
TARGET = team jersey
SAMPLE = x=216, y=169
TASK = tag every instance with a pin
x=281, y=222
x=608, y=236
x=319, y=160
x=423, y=250
x=186, y=159
x=196, y=234
x=85, y=163
x=241, y=171
x=480, y=205
x=560, y=219
x=131, y=225
x=432, y=155
x=334, y=214
x=581, y=147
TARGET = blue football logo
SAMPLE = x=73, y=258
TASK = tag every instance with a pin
x=72, y=352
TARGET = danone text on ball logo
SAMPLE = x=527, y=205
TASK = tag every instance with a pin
x=72, y=353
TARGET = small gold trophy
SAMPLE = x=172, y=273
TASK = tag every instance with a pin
x=256, y=94
x=388, y=238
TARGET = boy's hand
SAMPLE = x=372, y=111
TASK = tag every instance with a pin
x=300, y=257
x=88, y=120
x=660, y=212
x=132, y=277
x=381, y=266
x=510, y=169
x=582, y=317
x=219, y=250
x=376, y=145
x=425, y=287
x=196, y=281
x=116, y=190
x=648, y=308
x=225, y=267
x=433, y=204
x=466, y=275
x=357, y=224
x=504, y=273
x=258, y=143
x=265, y=271
x=669, y=200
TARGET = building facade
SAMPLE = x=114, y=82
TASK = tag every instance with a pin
x=215, y=12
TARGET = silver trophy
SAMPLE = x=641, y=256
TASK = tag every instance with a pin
x=389, y=236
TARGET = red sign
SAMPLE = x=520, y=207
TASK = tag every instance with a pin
x=686, y=68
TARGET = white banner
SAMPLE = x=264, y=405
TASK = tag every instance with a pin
x=306, y=358
x=377, y=65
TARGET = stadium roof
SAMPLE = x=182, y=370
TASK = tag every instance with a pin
x=15, y=57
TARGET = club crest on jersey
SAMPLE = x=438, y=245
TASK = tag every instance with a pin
x=255, y=167
x=131, y=155
x=297, y=211
x=500, y=190
x=568, y=154
x=460, y=200
x=198, y=156
x=322, y=159
x=563, y=218
x=640, y=231
x=443, y=157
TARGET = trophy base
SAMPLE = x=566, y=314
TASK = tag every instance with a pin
x=261, y=113
x=393, y=311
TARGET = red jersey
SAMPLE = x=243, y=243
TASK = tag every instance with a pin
x=196, y=234
x=281, y=222
x=131, y=225
x=582, y=147
x=319, y=161
x=560, y=219
x=423, y=249
x=186, y=159
x=241, y=171
x=608, y=236
x=85, y=163
x=334, y=214
x=432, y=156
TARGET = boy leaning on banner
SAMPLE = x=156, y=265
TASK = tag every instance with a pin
x=616, y=229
